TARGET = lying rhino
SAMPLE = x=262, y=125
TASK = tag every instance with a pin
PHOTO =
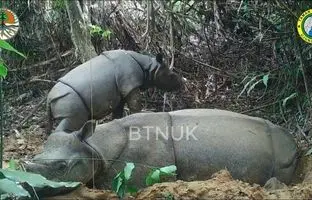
x=103, y=85
x=198, y=141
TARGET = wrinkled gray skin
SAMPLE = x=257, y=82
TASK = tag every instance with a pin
x=252, y=149
x=103, y=85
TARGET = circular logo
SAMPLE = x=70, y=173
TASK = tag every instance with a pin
x=8, y=24
x=304, y=26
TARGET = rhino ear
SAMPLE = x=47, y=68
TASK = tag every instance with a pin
x=87, y=130
x=159, y=58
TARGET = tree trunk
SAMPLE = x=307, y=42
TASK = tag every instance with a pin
x=80, y=35
x=217, y=20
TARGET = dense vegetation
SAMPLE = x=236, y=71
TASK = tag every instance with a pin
x=239, y=55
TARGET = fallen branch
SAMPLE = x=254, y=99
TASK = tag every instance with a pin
x=260, y=107
x=164, y=102
x=31, y=113
x=224, y=73
x=149, y=12
x=171, y=42
x=42, y=63
x=42, y=80
x=303, y=134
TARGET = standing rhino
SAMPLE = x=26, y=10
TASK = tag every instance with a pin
x=199, y=142
x=103, y=85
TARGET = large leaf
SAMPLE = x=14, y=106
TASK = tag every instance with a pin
x=37, y=184
x=10, y=189
x=170, y=170
x=117, y=181
x=122, y=191
x=265, y=80
x=120, y=182
x=128, y=170
x=153, y=177
x=35, y=180
x=7, y=46
x=3, y=70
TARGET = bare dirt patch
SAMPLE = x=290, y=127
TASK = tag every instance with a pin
x=220, y=186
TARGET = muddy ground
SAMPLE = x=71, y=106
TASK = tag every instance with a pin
x=23, y=141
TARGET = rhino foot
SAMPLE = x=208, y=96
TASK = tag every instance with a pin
x=274, y=184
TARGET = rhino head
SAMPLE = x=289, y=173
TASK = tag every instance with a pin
x=66, y=157
x=164, y=78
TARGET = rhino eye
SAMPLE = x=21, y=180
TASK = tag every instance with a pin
x=61, y=165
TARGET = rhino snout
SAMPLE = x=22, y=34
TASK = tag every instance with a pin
x=172, y=82
x=52, y=171
x=30, y=166
x=176, y=82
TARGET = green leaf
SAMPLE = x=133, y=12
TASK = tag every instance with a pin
x=265, y=80
x=5, y=45
x=94, y=29
x=171, y=169
x=117, y=181
x=121, y=192
x=119, y=184
x=106, y=34
x=293, y=95
x=35, y=180
x=128, y=170
x=9, y=188
x=153, y=177
x=132, y=190
x=3, y=70
x=35, y=183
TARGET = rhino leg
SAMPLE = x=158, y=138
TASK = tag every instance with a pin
x=118, y=111
x=50, y=119
x=133, y=100
x=68, y=108
x=274, y=184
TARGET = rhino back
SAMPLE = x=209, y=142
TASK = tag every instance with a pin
x=103, y=80
x=239, y=143
x=145, y=152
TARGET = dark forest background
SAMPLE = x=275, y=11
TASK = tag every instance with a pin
x=239, y=55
